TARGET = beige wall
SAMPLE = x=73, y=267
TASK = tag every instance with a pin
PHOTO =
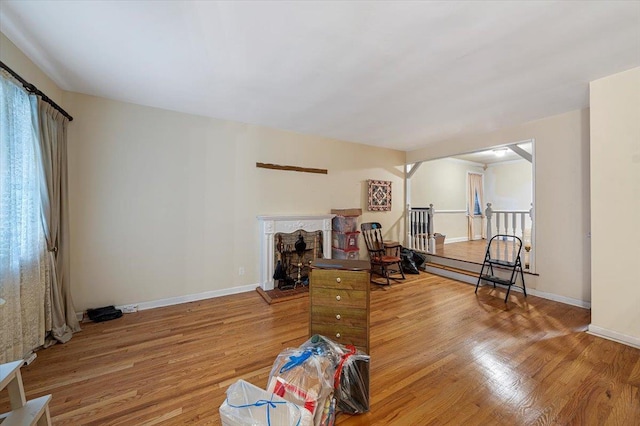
x=615, y=205
x=562, y=196
x=443, y=183
x=164, y=204
x=508, y=185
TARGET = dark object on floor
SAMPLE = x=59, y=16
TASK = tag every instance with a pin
x=104, y=314
x=419, y=258
x=411, y=261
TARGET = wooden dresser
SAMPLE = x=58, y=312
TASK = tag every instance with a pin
x=339, y=301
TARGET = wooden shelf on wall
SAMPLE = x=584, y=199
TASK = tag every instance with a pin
x=291, y=168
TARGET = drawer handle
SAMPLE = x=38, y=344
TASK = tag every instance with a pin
x=338, y=280
x=338, y=316
x=338, y=297
x=338, y=335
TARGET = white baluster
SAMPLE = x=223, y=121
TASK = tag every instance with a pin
x=430, y=225
x=421, y=224
x=407, y=227
x=514, y=223
x=506, y=232
x=489, y=213
x=533, y=243
x=522, y=227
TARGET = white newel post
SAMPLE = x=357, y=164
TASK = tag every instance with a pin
x=407, y=226
x=489, y=213
x=432, y=237
x=271, y=225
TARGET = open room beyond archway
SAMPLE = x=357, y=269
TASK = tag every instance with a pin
x=469, y=197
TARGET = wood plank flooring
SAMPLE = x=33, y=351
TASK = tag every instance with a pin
x=469, y=251
x=440, y=355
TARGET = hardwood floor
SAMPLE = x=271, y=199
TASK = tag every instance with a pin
x=439, y=355
x=469, y=251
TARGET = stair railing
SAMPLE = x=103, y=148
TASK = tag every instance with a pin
x=519, y=223
x=420, y=229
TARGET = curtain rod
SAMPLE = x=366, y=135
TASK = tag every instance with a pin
x=33, y=89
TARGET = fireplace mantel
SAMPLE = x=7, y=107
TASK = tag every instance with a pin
x=271, y=225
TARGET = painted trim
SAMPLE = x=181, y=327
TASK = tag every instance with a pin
x=459, y=160
x=188, y=298
x=195, y=297
x=557, y=298
x=613, y=335
x=467, y=279
x=501, y=163
x=436, y=211
x=455, y=240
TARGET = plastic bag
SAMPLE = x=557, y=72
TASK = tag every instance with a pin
x=351, y=381
x=304, y=376
x=248, y=405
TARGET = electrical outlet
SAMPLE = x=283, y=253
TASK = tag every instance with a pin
x=129, y=309
x=241, y=270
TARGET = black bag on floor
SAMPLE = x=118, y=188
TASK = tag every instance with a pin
x=104, y=314
x=408, y=264
x=419, y=259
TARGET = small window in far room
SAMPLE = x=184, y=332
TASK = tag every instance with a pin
x=477, y=211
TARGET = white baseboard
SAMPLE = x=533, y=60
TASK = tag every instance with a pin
x=188, y=298
x=614, y=335
x=562, y=299
x=468, y=279
x=455, y=240
x=532, y=291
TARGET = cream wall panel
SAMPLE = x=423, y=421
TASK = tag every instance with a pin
x=562, y=195
x=443, y=183
x=164, y=204
x=615, y=203
x=508, y=186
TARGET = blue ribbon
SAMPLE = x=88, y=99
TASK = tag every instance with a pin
x=269, y=403
x=294, y=360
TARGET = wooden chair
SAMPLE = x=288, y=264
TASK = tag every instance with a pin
x=384, y=257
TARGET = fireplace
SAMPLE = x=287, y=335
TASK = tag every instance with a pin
x=272, y=226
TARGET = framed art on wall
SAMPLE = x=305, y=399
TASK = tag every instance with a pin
x=379, y=195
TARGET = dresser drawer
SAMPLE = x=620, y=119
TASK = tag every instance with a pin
x=347, y=317
x=342, y=334
x=339, y=298
x=353, y=280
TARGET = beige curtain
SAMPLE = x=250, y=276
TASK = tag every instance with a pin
x=62, y=321
x=475, y=188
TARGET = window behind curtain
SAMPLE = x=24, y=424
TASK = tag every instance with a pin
x=477, y=211
x=22, y=245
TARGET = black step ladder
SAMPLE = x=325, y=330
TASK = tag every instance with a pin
x=503, y=251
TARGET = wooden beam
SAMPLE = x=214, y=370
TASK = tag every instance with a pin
x=521, y=152
x=414, y=169
x=291, y=168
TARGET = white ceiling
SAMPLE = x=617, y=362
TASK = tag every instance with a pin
x=394, y=74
